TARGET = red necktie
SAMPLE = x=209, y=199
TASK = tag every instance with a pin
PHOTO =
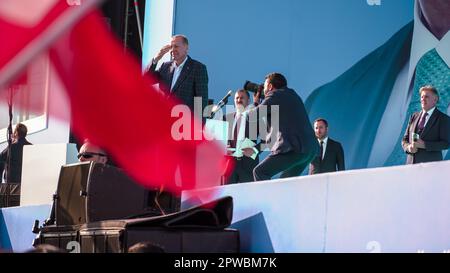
x=421, y=125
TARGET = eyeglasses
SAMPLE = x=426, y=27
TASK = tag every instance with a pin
x=88, y=155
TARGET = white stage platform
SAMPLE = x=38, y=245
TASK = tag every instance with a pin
x=395, y=209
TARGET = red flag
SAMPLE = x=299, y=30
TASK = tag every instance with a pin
x=117, y=109
x=29, y=27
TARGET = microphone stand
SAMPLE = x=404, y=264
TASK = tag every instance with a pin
x=138, y=21
x=8, y=150
x=9, y=136
x=218, y=107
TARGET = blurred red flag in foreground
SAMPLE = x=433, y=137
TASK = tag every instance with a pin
x=111, y=103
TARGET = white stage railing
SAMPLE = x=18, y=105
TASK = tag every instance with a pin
x=395, y=209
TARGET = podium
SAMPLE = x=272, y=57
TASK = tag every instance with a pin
x=217, y=130
x=40, y=171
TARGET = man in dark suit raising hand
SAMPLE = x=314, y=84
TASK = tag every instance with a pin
x=182, y=77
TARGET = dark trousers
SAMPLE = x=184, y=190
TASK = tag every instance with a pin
x=243, y=170
x=290, y=164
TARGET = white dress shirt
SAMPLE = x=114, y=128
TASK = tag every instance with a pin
x=244, y=115
x=325, y=142
x=429, y=112
x=177, y=72
x=395, y=114
x=241, y=134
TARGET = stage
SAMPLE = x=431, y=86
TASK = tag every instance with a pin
x=393, y=209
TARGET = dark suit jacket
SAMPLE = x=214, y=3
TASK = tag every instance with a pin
x=295, y=133
x=436, y=136
x=192, y=82
x=332, y=161
x=15, y=172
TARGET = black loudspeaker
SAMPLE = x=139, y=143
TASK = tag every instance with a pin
x=200, y=229
x=89, y=192
x=9, y=194
x=119, y=239
x=60, y=236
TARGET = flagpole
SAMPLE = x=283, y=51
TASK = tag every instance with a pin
x=9, y=136
x=125, y=31
x=138, y=21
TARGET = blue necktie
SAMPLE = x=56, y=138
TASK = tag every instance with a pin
x=430, y=70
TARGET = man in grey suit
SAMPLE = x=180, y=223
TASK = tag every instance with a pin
x=182, y=77
x=292, y=141
x=331, y=154
x=241, y=126
x=428, y=131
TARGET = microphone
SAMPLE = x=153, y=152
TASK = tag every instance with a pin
x=221, y=103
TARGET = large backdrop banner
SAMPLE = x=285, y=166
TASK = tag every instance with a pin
x=352, y=61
